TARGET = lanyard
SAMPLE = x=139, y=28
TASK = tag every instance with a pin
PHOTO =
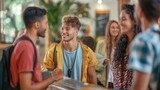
x=70, y=67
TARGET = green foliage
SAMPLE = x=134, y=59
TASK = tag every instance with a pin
x=56, y=10
x=13, y=20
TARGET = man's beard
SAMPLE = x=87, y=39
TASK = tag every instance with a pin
x=41, y=33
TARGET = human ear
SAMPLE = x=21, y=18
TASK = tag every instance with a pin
x=37, y=25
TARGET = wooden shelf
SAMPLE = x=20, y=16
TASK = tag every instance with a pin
x=4, y=45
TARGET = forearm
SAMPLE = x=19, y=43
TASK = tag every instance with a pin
x=56, y=75
x=140, y=81
x=93, y=80
x=26, y=83
x=43, y=84
x=92, y=75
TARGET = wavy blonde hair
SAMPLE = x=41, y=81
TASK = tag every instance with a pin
x=108, y=37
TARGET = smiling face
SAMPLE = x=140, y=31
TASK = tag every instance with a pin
x=125, y=22
x=68, y=32
x=114, y=29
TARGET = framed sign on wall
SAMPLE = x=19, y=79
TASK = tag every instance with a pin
x=102, y=18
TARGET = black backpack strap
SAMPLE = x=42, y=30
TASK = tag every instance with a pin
x=35, y=52
x=55, y=56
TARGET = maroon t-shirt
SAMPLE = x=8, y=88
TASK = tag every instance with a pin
x=22, y=60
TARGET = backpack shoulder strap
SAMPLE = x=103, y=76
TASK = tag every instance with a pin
x=35, y=52
x=55, y=56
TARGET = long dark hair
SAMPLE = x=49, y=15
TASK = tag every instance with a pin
x=122, y=43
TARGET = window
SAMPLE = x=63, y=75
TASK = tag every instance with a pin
x=11, y=18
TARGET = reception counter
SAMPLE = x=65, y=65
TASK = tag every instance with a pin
x=70, y=84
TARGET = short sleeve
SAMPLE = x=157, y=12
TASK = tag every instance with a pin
x=26, y=57
x=141, y=56
x=92, y=58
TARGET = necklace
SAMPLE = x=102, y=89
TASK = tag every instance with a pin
x=70, y=67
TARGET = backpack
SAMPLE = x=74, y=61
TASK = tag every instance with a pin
x=5, y=75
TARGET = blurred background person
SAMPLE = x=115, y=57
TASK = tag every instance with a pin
x=104, y=47
x=113, y=31
x=89, y=41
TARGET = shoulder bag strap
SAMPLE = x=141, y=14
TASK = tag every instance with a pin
x=55, y=56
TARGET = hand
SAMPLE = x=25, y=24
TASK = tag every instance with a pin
x=107, y=61
x=57, y=74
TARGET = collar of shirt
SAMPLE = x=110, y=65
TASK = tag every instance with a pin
x=154, y=27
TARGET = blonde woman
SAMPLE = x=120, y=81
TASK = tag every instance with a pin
x=104, y=47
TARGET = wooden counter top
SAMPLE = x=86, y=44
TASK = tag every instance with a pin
x=4, y=45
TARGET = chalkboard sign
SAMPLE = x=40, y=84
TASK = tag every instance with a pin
x=101, y=22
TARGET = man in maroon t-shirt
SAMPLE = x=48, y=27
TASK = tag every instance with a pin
x=22, y=72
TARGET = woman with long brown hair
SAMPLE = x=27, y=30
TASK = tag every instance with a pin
x=121, y=75
x=112, y=34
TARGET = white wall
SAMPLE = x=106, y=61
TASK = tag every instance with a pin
x=112, y=5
